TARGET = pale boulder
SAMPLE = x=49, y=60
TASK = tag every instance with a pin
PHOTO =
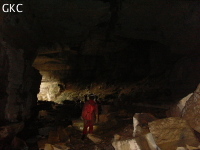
x=94, y=138
x=48, y=147
x=144, y=142
x=173, y=132
x=191, y=111
x=176, y=109
x=140, y=123
x=181, y=148
x=60, y=146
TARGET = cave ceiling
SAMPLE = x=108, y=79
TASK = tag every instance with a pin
x=114, y=40
x=67, y=22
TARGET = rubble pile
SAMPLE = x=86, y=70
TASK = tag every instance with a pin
x=57, y=128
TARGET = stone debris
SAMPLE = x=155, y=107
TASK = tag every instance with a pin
x=126, y=145
x=176, y=109
x=53, y=137
x=57, y=135
x=60, y=146
x=12, y=129
x=63, y=134
x=42, y=143
x=96, y=148
x=173, y=132
x=181, y=148
x=188, y=148
x=48, y=147
x=18, y=143
x=94, y=138
x=140, y=123
x=117, y=137
x=192, y=110
x=103, y=118
x=143, y=142
x=42, y=114
x=32, y=140
x=45, y=131
x=192, y=147
x=182, y=102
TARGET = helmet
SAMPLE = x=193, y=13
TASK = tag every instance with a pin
x=91, y=96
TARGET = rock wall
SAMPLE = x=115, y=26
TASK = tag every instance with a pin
x=18, y=92
x=98, y=40
x=185, y=76
x=69, y=73
x=19, y=82
x=20, y=85
x=4, y=82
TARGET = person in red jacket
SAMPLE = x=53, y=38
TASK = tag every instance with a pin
x=89, y=115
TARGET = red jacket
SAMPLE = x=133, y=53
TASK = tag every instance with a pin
x=95, y=111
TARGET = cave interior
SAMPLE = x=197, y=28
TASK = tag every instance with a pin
x=132, y=54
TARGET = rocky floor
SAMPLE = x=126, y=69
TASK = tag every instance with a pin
x=53, y=127
x=104, y=133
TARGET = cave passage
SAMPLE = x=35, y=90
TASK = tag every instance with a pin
x=140, y=59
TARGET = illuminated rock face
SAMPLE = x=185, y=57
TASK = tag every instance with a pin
x=176, y=109
x=49, y=87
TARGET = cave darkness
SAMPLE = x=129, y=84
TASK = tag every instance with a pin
x=136, y=52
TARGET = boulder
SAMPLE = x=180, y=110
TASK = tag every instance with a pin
x=103, y=118
x=63, y=134
x=45, y=131
x=173, y=132
x=94, y=138
x=188, y=147
x=176, y=109
x=180, y=148
x=144, y=142
x=60, y=146
x=117, y=137
x=140, y=123
x=10, y=130
x=18, y=143
x=53, y=137
x=48, y=147
x=192, y=110
x=42, y=144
